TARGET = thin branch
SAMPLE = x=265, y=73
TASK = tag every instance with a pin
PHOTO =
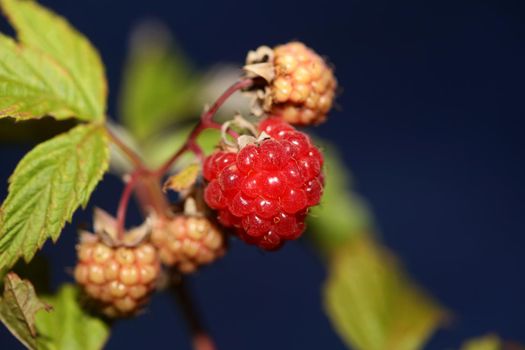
x=131, y=154
x=207, y=116
x=206, y=122
x=146, y=183
x=201, y=339
x=123, y=203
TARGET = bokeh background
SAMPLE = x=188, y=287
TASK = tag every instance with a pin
x=430, y=123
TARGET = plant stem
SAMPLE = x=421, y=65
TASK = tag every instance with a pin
x=151, y=197
x=131, y=154
x=123, y=204
x=206, y=122
x=146, y=183
x=207, y=116
x=201, y=339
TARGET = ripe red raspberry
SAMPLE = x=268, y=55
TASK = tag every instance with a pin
x=188, y=242
x=118, y=279
x=301, y=85
x=264, y=190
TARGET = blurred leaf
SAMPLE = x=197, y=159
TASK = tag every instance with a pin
x=214, y=82
x=161, y=148
x=33, y=130
x=487, y=342
x=184, y=179
x=54, y=70
x=18, y=307
x=371, y=302
x=342, y=213
x=69, y=326
x=47, y=186
x=120, y=163
x=158, y=86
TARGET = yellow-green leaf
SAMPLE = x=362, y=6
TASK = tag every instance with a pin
x=18, y=307
x=488, y=342
x=47, y=186
x=158, y=87
x=32, y=85
x=184, y=179
x=371, y=302
x=54, y=64
x=342, y=214
x=69, y=326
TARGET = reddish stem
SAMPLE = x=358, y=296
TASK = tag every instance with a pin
x=123, y=203
x=201, y=339
x=153, y=198
x=207, y=116
x=141, y=171
x=150, y=196
x=206, y=122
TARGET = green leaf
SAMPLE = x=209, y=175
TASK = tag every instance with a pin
x=371, y=302
x=342, y=214
x=68, y=326
x=18, y=307
x=47, y=186
x=55, y=70
x=488, y=342
x=32, y=85
x=158, y=87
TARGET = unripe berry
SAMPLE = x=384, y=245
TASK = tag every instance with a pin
x=301, y=86
x=304, y=86
x=265, y=189
x=118, y=280
x=187, y=242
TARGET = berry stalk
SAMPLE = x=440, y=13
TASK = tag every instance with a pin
x=206, y=122
x=151, y=196
x=201, y=339
x=123, y=203
x=146, y=183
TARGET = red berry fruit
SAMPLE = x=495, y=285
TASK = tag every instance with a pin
x=264, y=190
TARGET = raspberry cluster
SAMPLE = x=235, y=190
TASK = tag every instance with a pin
x=118, y=279
x=188, y=242
x=265, y=189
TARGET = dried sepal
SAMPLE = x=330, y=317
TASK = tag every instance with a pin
x=105, y=227
x=183, y=180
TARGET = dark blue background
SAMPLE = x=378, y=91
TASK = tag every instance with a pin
x=431, y=124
